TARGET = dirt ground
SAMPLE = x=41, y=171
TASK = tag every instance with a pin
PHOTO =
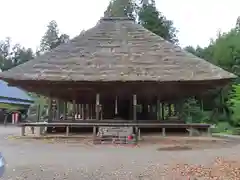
x=56, y=159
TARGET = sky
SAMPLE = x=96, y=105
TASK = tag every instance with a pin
x=197, y=21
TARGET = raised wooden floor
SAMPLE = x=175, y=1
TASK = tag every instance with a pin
x=119, y=121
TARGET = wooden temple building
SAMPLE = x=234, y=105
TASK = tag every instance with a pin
x=117, y=71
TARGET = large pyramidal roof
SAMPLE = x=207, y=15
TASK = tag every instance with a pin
x=117, y=49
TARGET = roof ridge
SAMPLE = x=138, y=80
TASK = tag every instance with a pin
x=112, y=18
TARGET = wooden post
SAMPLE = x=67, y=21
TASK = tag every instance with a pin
x=94, y=133
x=169, y=110
x=82, y=111
x=50, y=113
x=135, y=115
x=38, y=112
x=97, y=106
x=74, y=110
x=174, y=109
x=158, y=109
x=23, y=130
x=97, y=115
x=163, y=132
x=209, y=133
x=77, y=108
x=163, y=113
x=116, y=105
x=90, y=111
x=190, y=131
x=87, y=111
x=135, y=107
x=64, y=110
x=58, y=109
x=201, y=105
x=67, y=130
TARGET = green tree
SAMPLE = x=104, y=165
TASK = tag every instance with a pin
x=121, y=8
x=5, y=54
x=51, y=38
x=146, y=14
x=234, y=104
x=11, y=57
x=21, y=55
x=224, y=51
x=153, y=20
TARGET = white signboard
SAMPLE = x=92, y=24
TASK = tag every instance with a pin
x=115, y=131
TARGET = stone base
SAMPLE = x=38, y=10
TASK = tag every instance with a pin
x=40, y=131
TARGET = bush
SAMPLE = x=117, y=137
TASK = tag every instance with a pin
x=236, y=131
x=222, y=127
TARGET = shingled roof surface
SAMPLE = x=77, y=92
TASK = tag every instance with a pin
x=117, y=49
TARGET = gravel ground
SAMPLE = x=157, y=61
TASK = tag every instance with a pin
x=36, y=160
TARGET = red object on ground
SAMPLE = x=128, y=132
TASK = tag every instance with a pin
x=130, y=137
x=15, y=118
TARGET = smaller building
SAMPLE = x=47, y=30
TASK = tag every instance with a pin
x=13, y=99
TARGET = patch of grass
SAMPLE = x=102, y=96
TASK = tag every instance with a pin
x=223, y=127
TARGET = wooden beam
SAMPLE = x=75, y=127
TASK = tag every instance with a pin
x=97, y=106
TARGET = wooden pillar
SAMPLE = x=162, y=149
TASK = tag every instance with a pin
x=54, y=109
x=77, y=108
x=23, y=130
x=163, y=113
x=201, y=104
x=74, y=110
x=97, y=106
x=135, y=107
x=158, y=109
x=169, y=110
x=116, y=106
x=58, y=109
x=82, y=111
x=87, y=111
x=174, y=113
x=50, y=113
x=135, y=115
x=97, y=115
x=90, y=111
x=67, y=130
x=163, y=132
x=130, y=110
x=38, y=112
x=64, y=110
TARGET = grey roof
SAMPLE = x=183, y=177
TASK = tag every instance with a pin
x=13, y=94
x=117, y=49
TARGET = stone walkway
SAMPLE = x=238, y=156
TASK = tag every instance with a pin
x=36, y=160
